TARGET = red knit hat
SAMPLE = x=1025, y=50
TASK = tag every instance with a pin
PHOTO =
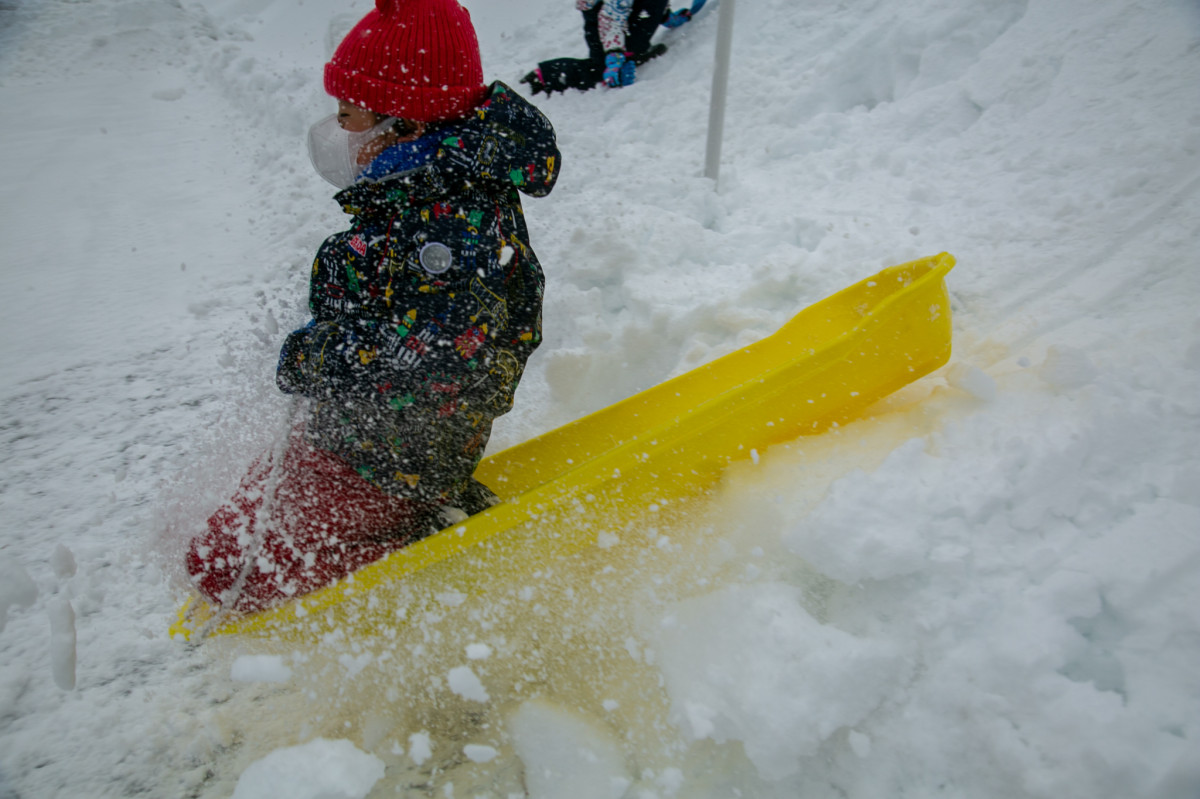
x=414, y=59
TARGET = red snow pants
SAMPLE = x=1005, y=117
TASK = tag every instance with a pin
x=322, y=522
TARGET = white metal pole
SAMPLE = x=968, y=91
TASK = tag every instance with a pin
x=716, y=109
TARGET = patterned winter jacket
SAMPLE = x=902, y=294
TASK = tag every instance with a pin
x=613, y=21
x=426, y=310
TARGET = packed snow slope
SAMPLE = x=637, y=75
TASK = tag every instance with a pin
x=990, y=588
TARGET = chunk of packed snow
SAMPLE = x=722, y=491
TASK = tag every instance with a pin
x=260, y=668
x=480, y=753
x=466, y=684
x=62, y=643
x=565, y=754
x=63, y=563
x=420, y=747
x=319, y=769
x=16, y=588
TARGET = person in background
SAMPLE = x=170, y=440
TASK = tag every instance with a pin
x=424, y=312
x=618, y=34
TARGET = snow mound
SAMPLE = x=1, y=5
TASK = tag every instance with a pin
x=869, y=527
x=750, y=664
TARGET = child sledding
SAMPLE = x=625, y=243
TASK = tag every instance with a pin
x=424, y=313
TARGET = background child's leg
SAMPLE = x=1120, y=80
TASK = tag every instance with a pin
x=560, y=74
x=644, y=20
x=591, y=34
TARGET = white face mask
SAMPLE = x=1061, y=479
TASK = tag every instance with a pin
x=334, y=152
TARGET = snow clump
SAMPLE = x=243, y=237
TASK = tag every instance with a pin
x=319, y=769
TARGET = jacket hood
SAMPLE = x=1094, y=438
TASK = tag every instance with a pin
x=504, y=144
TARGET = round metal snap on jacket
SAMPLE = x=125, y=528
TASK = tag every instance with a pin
x=436, y=258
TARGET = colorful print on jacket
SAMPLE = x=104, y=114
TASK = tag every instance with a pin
x=614, y=21
x=426, y=310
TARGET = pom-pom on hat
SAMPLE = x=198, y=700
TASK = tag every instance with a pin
x=414, y=59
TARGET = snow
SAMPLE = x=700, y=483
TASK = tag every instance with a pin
x=464, y=682
x=17, y=589
x=260, y=668
x=420, y=747
x=62, y=643
x=478, y=753
x=319, y=769
x=988, y=588
x=750, y=664
x=565, y=754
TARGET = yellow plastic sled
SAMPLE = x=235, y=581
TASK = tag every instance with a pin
x=560, y=491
